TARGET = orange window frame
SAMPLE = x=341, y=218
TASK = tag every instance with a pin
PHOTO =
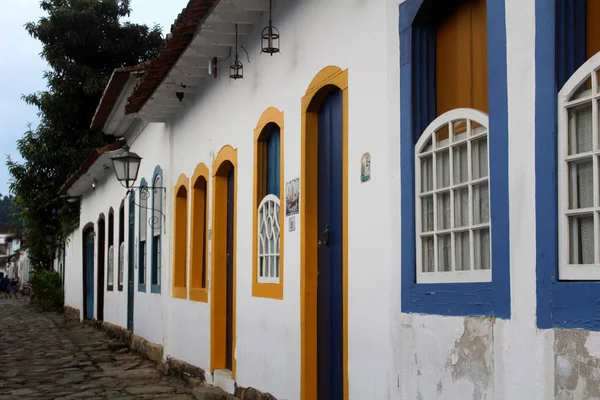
x=180, y=238
x=270, y=116
x=199, y=234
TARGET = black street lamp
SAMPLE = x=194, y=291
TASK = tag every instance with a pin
x=127, y=166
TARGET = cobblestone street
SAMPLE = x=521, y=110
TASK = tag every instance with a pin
x=42, y=357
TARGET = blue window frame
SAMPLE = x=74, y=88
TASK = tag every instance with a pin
x=156, y=226
x=273, y=162
x=559, y=52
x=143, y=236
x=417, y=110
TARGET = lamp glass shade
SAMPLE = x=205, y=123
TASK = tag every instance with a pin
x=127, y=165
x=133, y=168
x=120, y=168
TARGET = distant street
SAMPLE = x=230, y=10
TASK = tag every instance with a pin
x=41, y=357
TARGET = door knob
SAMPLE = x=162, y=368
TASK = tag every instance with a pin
x=326, y=234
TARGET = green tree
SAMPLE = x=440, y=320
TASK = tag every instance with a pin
x=83, y=41
x=8, y=215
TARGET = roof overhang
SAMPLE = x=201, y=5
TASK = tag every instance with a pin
x=204, y=30
x=94, y=169
x=110, y=117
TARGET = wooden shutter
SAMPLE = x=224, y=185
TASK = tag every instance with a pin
x=461, y=59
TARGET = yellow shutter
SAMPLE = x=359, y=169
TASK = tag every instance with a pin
x=461, y=59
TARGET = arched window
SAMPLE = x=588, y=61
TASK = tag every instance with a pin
x=579, y=174
x=111, y=266
x=180, y=240
x=143, y=235
x=453, y=59
x=453, y=201
x=268, y=215
x=199, y=235
x=110, y=281
x=157, y=222
x=120, y=264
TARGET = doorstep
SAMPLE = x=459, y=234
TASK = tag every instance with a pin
x=222, y=379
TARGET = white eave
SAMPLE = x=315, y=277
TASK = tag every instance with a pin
x=215, y=38
x=118, y=123
x=96, y=173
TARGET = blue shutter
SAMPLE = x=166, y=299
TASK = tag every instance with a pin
x=570, y=38
x=273, y=162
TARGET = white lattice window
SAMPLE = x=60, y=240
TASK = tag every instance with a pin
x=111, y=265
x=452, y=199
x=578, y=170
x=268, y=239
x=121, y=262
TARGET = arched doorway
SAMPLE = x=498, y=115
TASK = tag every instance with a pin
x=324, y=237
x=88, y=271
x=101, y=262
x=223, y=271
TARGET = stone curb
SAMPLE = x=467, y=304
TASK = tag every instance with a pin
x=195, y=376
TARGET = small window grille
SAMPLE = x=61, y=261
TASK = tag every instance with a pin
x=268, y=239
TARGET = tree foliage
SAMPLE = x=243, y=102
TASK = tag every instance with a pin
x=83, y=41
x=8, y=215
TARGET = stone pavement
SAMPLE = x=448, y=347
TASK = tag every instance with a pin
x=42, y=357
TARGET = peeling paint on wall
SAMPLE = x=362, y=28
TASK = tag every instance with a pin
x=576, y=371
x=472, y=356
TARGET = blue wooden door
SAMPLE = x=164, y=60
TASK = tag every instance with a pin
x=88, y=262
x=330, y=254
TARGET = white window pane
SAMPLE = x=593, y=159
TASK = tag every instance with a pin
x=480, y=158
x=481, y=204
x=427, y=254
x=444, y=253
x=443, y=169
x=426, y=174
x=460, y=161
x=580, y=129
x=443, y=210
x=459, y=129
x=481, y=248
x=461, y=207
x=427, y=214
x=581, y=182
x=581, y=232
x=427, y=145
x=462, y=252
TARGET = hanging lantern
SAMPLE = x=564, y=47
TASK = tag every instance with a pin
x=236, y=70
x=127, y=165
x=270, y=35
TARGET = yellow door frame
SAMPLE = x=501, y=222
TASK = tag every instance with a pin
x=315, y=94
x=225, y=160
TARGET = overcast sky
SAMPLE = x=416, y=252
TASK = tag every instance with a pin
x=21, y=67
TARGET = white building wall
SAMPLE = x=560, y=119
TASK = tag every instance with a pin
x=148, y=316
x=391, y=355
x=74, y=271
x=268, y=331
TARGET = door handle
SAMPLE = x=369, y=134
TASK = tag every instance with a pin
x=326, y=234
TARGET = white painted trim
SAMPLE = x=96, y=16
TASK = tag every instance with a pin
x=567, y=271
x=269, y=204
x=472, y=275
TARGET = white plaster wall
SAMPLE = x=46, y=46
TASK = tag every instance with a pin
x=73, y=272
x=268, y=331
x=149, y=317
x=522, y=362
